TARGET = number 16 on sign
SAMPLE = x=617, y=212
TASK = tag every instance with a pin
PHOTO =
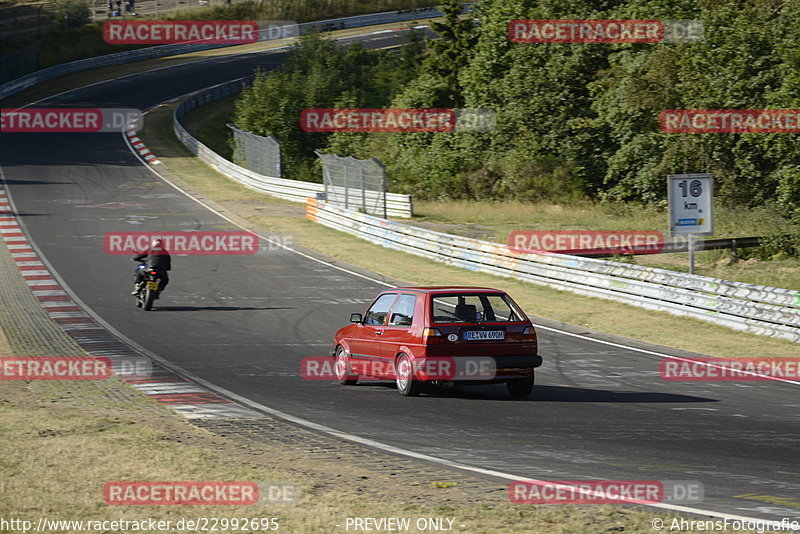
x=691, y=207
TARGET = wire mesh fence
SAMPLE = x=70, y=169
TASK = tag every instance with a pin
x=356, y=184
x=257, y=153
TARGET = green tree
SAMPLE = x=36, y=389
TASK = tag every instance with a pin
x=320, y=74
x=572, y=119
x=449, y=54
x=72, y=13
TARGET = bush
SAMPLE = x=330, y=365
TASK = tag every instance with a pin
x=788, y=189
x=72, y=13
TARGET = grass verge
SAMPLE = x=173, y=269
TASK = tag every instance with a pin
x=58, y=454
x=283, y=217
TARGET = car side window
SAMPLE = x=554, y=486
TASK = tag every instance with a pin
x=403, y=311
x=376, y=315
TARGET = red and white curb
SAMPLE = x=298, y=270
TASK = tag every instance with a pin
x=137, y=144
x=166, y=387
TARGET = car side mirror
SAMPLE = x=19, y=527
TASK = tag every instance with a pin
x=356, y=318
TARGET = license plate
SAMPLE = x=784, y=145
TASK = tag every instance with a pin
x=484, y=335
x=152, y=285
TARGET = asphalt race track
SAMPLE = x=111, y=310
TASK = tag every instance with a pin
x=245, y=322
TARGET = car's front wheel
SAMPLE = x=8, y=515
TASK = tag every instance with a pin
x=344, y=372
x=405, y=377
x=520, y=387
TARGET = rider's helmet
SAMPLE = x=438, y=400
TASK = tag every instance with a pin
x=157, y=243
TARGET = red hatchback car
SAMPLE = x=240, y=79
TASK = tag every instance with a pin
x=439, y=335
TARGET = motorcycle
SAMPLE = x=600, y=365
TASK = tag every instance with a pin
x=149, y=289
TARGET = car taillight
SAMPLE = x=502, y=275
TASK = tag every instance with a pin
x=432, y=335
x=529, y=334
x=153, y=272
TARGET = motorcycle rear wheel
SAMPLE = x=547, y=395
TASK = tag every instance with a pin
x=149, y=297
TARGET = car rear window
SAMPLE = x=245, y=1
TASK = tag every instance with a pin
x=474, y=308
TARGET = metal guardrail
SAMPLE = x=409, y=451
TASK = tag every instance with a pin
x=397, y=205
x=758, y=309
x=716, y=244
x=733, y=243
x=23, y=82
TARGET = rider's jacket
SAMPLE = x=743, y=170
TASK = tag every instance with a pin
x=155, y=257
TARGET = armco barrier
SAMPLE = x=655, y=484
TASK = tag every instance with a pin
x=23, y=82
x=752, y=308
x=397, y=205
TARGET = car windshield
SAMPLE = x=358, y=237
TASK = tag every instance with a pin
x=474, y=308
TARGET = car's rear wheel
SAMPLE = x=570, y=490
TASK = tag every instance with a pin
x=520, y=387
x=407, y=384
x=343, y=370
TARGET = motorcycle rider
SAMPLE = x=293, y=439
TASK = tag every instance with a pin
x=157, y=257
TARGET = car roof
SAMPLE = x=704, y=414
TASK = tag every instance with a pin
x=446, y=289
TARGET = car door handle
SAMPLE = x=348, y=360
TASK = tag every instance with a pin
x=378, y=332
